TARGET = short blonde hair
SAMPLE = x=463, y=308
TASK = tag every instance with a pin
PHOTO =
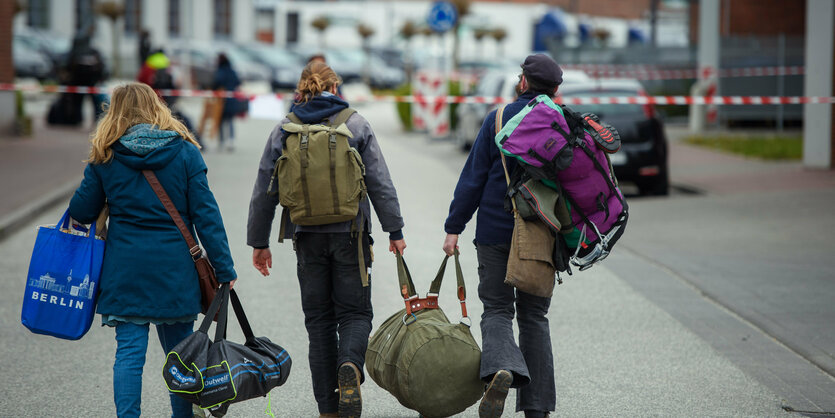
x=132, y=104
x=316, y=78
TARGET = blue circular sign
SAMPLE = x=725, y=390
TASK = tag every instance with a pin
x=442, y=16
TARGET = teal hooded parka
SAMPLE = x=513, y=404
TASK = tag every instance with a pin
x=147, y=270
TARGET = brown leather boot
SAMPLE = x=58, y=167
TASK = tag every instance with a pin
x=350, y=399
x=329, y=415
x=492, y=403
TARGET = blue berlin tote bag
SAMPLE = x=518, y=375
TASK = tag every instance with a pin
x=62, y=284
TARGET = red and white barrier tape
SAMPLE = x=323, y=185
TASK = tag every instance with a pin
x=655, y=100
x=104, y=90
x=656, y=73
x=641, y=100
x=645, y=72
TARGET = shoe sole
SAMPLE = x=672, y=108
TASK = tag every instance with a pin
x=350, y=399
x=492, y=404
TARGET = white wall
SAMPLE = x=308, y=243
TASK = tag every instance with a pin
x=243, y=21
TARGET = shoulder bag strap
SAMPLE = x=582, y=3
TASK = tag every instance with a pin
x=295, y=119
x=341, y=117
x=193, y=248
x=499, y=121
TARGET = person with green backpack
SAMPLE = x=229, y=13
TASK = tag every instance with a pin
x=320, y=163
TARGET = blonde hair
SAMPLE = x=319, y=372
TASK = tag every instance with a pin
x=132, y=104
x=316, y=78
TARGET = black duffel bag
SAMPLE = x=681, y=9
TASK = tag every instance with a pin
x=214, y=374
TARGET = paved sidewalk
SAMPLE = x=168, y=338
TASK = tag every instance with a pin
x=721, y=173
x=39, y=171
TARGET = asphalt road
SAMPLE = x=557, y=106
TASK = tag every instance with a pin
x=621, y=348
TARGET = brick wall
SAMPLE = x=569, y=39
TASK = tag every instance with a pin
x=631, y=9
x=6, y=15
x=755, y=18
x=765, y=17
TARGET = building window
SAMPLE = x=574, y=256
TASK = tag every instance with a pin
x=223, y=18
x=265, y=25
x=37, y=15
x=174, y=18
x=133, y=16
x=83, y=14
x=292, y=27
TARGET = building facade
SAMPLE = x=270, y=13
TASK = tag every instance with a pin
x=289, y=23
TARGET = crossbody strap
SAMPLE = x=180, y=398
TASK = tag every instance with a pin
x=499, y=113
x=193, y=248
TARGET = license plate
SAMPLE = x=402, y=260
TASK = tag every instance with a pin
x=618, y=158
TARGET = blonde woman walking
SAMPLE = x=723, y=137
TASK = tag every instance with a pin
x=148, y=276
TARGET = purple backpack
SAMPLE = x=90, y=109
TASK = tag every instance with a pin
x=569, y=153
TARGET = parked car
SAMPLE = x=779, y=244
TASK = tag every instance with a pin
x=202, y=61
x=52, y=45
x=496, y=83
x=643, y=157
x=285, y=66
x=351, y=65
x=393, y=57
x=29, y=62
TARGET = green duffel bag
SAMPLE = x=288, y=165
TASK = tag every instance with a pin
x=429, y=364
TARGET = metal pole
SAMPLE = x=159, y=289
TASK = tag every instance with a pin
x=781, y=79
x=188, y=31
x=653, y=22
x=708, y=57
x=818, y=81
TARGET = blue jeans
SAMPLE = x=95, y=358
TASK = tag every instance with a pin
x=532, y=360
x=131, y=345
x=337, y=308
x=226, y=123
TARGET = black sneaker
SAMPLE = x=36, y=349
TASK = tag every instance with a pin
x=492, y=403
x=350, y=400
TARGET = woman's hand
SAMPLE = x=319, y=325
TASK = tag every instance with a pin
x=262, y=259
x=232, y=284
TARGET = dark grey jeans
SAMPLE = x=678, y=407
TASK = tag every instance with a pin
x=337, y=308
x=532, y=361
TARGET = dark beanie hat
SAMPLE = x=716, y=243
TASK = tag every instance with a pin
x=542, y=68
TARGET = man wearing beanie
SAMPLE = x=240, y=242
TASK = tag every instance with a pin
x=528, y=365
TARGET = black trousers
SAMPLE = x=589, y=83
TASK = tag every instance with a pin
x=337, y=308
x=532, y=360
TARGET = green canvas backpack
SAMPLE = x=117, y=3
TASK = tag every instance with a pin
x=320, y=175
x=429, y=364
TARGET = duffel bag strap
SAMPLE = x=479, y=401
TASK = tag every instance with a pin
x=222, y=317
x=213, y=309
x=239, y=312
x=435, y=287
x=407, y=286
